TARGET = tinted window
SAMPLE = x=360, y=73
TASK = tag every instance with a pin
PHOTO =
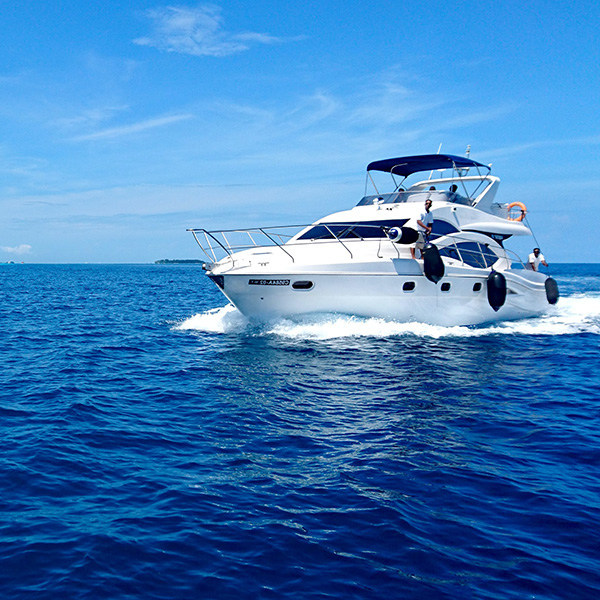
x=450, y=252
x=445, y=287
x=488, y=255
x=344, y=231
x=317, y=233
x=471, y=254
x=441, y=227
x=408, y=286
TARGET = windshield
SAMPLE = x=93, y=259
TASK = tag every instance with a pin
x=415, y=196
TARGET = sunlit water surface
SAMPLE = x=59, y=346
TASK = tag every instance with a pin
x=158, y=445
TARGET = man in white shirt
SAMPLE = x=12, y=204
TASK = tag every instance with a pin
x=534, y=260
x=424, y=224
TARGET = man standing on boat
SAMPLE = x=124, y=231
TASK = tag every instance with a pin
x=424, y=224
x=534, y=260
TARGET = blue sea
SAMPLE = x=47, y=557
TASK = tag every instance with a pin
x=155, y=445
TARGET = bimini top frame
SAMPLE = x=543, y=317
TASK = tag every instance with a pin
x=407, y=165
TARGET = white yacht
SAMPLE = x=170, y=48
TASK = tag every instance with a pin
x=360, y=261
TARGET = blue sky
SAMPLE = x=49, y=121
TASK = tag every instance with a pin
x=122, y=125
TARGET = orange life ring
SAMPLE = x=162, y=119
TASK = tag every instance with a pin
x=517, y=205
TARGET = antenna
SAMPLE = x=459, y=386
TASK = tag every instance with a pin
x=439, y=150
x=468, y=152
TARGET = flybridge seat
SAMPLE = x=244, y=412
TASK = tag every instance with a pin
x=415, y=196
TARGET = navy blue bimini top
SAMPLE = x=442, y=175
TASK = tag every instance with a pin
x=407, y=165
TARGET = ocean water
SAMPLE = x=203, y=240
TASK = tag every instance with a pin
x=155, y=445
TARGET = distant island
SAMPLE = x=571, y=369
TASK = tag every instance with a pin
x=179, y=261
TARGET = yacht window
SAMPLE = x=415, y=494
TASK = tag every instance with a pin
x=344, y=231
x=393, y=198
x=470, y=253
x=450, y=252
x=408, y=286
x=441, y=227
x=317, y=233
x=445, y=287
x=473, y=254
x=477, y=286
x=489, y=256
x=302, y=285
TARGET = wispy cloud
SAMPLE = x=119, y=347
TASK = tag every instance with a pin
x=199, y=32
x=89, y=117
x=592, y=140
x=21, y=249
x=124, y=130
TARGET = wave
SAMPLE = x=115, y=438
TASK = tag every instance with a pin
x=577, y=314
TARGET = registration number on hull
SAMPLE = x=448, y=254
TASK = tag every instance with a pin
x=269, y=282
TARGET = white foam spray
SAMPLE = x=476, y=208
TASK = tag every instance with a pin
x=572, y=315
x=226, y=319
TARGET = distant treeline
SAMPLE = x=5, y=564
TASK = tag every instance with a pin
x=178, y=261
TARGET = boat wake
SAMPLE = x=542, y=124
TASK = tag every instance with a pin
x=578, y=314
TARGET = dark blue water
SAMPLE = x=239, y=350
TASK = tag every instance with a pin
x=155, y=446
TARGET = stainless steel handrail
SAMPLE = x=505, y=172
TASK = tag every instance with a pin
x=270, y=233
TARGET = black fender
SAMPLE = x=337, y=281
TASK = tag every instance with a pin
x=496, y=290
x=403, y=235
x=552, y=293
x=433, y=265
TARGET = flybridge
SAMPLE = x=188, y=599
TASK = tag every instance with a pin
x=461, y=180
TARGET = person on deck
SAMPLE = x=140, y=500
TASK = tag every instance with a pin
x=424, y=224
x=534, y=260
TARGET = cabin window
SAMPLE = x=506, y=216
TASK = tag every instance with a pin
x=445, y=287
x=441, y=227
x=344, y=231
x=409, y=286
x=317, y=233
x=471, y=254
x=303, y=285
x=450, y=252
x=477, y=287
x=489, y=256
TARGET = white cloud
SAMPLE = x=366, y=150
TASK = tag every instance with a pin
x=198, y=31
x=496, y=153
x=21, y=249
x=90, y=117
x=124, y=130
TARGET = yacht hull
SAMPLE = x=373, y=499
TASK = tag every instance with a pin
x=457, y=300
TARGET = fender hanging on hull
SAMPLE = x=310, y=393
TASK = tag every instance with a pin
x=552, y=293
x=496, y=290
x=403, y=235
x=433, y=265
